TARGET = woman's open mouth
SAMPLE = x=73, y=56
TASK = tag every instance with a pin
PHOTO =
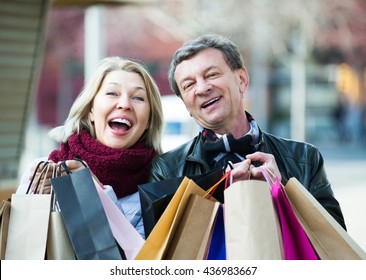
x=120, y=124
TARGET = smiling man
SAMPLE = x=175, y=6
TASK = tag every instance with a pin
x=209, y=75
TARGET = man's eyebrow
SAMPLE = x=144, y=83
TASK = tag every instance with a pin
x=204, y=71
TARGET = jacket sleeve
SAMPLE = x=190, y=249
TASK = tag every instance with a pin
x=304, y=162
x=157, y=172
x=321, y=189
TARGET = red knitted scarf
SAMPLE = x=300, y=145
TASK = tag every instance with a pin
x=123, y=169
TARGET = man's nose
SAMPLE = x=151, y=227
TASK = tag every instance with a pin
x=203, y=87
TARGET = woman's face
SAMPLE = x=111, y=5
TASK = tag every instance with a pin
x=121, y=109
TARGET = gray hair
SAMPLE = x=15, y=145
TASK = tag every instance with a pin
x=78, y=117
x=230, y=51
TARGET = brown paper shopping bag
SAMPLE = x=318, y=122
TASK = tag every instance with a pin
x=192, y=237
x=4, y=224
x=159, y=240
x=59, y=246
x=251, y=225
x=329, y=239
x=29, y=219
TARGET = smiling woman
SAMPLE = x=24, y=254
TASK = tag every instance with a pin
x=121, y=109
x=115, y=127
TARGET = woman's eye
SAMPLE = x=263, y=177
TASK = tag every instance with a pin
x=139, y=98
x=112, y=93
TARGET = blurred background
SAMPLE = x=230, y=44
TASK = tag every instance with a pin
x=306, y=61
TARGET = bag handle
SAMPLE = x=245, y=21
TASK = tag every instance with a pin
x=67, y=169
x=34, y=183
x=34, y=176
x=54, y=203
x=44, y=171
x=212, y=189
x=269, y=176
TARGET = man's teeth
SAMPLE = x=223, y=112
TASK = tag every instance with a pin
x=210, y=102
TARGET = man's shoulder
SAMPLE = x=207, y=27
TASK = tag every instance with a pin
x=287, y=146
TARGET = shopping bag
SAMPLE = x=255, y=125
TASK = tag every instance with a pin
x=296, y=245
x=217, y=248
x=125, y=234
x=29, y=219
x=155, y=196
x=4, y=225
x=192, y=237
x=157, y=243
x=59, y=245
x=84, y=216
x=58, y=242
x=28, y=226
x=251, y=226
x=329, y=239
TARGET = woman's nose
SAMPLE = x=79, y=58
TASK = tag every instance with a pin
x=124, y=102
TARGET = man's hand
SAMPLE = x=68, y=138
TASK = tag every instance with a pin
x=268, y=161
x=245, y=170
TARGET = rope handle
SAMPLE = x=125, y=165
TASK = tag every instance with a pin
x=212, y=189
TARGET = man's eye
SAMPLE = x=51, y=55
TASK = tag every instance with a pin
x=212, y=74
x=187, y=86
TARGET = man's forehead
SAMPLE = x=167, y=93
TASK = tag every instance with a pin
x=201, y=61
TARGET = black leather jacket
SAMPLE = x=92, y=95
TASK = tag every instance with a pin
x=294, y=159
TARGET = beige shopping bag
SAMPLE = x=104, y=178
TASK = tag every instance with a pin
x=192, y=237
x=252, y=231
x=4, y=224
x=58, y=242
x=159, y=240
x=29, y=219
x=329, y=239
x=28, y=227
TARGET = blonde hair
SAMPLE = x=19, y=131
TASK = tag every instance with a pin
x=78, y=117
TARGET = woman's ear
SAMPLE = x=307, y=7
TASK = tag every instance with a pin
x=91, y=115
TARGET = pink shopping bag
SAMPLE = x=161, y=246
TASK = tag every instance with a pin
x=296, y=244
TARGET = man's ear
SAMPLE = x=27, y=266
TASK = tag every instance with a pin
x=244, y=79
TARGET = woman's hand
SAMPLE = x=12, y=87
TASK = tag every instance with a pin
x=74, y=165
x=41, y=182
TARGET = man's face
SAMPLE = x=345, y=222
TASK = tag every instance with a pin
x=211, y=91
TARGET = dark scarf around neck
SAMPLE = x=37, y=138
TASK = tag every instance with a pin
x=123, y=169
x=220, y=150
